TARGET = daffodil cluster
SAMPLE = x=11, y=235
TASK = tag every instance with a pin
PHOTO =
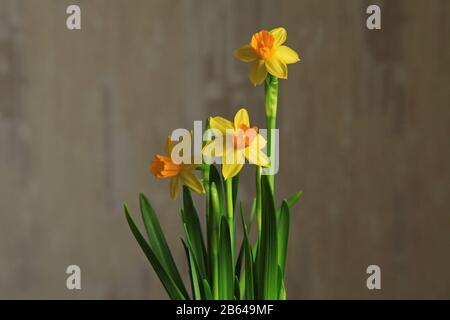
x=246, y=144
x=219, y=267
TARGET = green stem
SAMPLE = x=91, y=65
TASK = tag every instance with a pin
x=209, y=229
x=271, y=105
x=271, y=124
x=258, y=201
x=215, y=216
x=206, y=186
x=230, y=214
x=209, y=219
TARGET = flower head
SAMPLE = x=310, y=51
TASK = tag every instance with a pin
x=267, y=54
x=162, y=167
x=241, y=142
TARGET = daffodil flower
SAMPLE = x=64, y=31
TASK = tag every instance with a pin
x=241, y=142
x=266, y=53
x=162, y=167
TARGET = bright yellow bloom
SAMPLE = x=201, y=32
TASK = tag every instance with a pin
x=162, y=166
x=266, y=53
x=240, y=141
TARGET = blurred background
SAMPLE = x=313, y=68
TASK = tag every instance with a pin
x=364, y=123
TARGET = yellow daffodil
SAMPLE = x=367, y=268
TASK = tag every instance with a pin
x=266, y=53
x=162, y=166
x=240, y=142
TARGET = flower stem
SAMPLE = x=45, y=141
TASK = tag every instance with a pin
x=206, y=183
x=271, y=102
x=271, y=124
x=214, y=222
x=230, y=214
x=209, y=218
x=258, y=201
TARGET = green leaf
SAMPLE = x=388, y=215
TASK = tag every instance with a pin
x=242, y=285
x=267, y=256
x=158, y=242
x=237, y=291
x=216, y=276
x=194, y=231
x=235, y=187
x=171, y=287
x=215, y=217
x=293, y=200
x=283, y=235
x=193, y=273
x=226, y=274
x=214, y=231
x=215, y=177
x=249, y=280
x=207, y=289
x=249, y=227
x=238, y=267
x=216, y=210
x=186, y=250
x=252, y=213
x=282, y=291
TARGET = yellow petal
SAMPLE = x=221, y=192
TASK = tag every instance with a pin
x=173, y=187
x=233, y=156
x=258, y=72
x=231, y=170
x=241, y=118
x=213, y=148
x=279, y=35
x=257, y=156
x=220, y=124
x=169, y=146
x=260, y=142
x=192, y=181
x=287, y=55
x=276, y=67
x=254, y=153
x=231, y=167
x=246, y=53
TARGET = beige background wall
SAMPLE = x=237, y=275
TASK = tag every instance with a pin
x=364, y=128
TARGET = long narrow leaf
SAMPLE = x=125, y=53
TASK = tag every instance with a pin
x=194, y=231
x=172, y=290
x=293, y=200
x=282, y=289
x=235, y=188
x=207, y=289
x=267, y=253
x=158, y=242
x=226, y=275
x=238, y=267
x=252, y=214
x=283, y=235
x=189, y=266
x=249, y=227
x=193, y=273
x=237, y=289
x=214, y=177
x=249, y=280
x=214, y=230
